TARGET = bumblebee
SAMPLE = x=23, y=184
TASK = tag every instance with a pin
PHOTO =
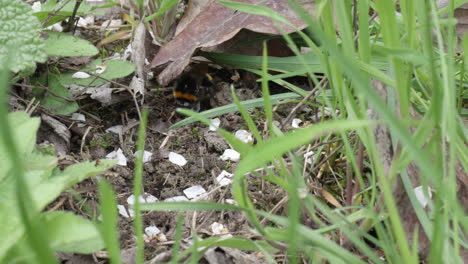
x=192, y=90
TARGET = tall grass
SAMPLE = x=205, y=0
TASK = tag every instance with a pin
x=419, y=71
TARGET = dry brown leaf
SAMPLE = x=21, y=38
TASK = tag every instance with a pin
x=330, y=198
x=214, y=25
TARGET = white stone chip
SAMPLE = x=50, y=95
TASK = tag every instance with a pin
x=100, y=69
x=145, y=198
x=230, y=154
x=115, y=129
x=118, y=156
x=127, y=53
x=177, y=159
x=177, y=199
x=296, y=122
x=215, y=122
x=36, y=6
x=194, y=192
x=231, y=201
x=55, y=27
x=244, y=135
x=421, y=196
x=86, y=21
x=218, y=229
x=137, y=85
x=80, y=75
x=78, y=117
x=224, y=178
x=146, y=155
x=309, y=157
x=123, y=211
x=152, y=230
x=153, y=233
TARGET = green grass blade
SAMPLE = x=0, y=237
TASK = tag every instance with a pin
x=109, y=221
x=247, y=104
x=138, y=186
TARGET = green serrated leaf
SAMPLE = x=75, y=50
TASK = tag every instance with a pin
x=19, y=36
x=65, y=45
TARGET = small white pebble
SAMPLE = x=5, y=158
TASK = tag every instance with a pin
x=230, y=154
x=86, y=21
x=80, y=75
x=309, y=157
x=100, y=69
x=152, y=230
x=115, y=129
x=231, y=201
x=244, y=135
x=152, y=233
x=55, y=27
x=146, y=155
x=177, y=199
x=224, y=178
x=126, y=54
x=215, y=122
x=194, y=191
x=145, y=198
x=78, y=117
x=118, y=156
x=302, y=192
x=218, y=229
x=421, y=196
x=177, y=159
x=123, y=211
x=296, y=122
x=36, y=6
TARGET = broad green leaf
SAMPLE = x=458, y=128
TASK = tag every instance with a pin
x=44, y=189
x=66, y=45
x=283, y=64
x=20, y=253
x=47, y=191
x=113, y=69
x=56, y=104
x=66, y=11
x=293, y=64
x=68, y=232
x=24, y=129
x=19, y=36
